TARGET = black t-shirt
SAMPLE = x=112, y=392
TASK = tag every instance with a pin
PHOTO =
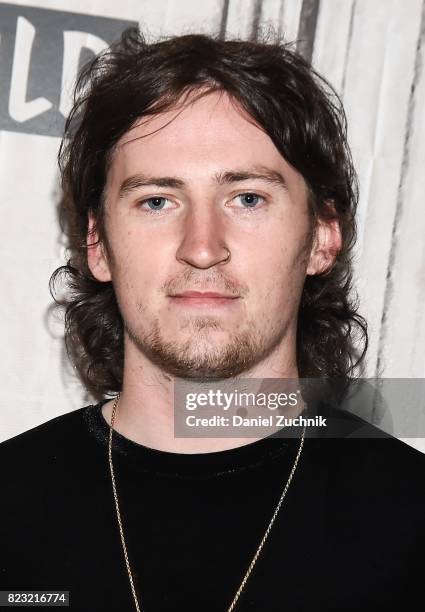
x=349, y=535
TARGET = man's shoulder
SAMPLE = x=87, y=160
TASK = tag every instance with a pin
x=387, y=452
x=367, y=454
x=44, y=440
x=43, y=469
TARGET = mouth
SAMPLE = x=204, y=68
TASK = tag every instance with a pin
x=203, y=299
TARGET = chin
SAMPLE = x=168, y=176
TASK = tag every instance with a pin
x=199, y=360
x=201, y=339
x=204, y=353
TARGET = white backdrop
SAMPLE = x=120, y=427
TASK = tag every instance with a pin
x=372, y=52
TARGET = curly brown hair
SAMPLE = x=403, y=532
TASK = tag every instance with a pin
x=297, y=108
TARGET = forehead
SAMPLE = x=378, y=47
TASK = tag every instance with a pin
x=199, y=138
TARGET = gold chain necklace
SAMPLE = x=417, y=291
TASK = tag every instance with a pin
x=257, y=553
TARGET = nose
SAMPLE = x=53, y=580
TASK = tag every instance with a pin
x=203, y=244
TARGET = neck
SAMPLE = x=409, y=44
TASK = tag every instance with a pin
x=145, y=411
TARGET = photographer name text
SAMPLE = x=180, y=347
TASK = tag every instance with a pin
x=272, y=420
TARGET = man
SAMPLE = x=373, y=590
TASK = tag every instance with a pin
x=210, y=200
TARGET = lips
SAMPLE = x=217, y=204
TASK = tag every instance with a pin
x=203, y=294
x=206, y=299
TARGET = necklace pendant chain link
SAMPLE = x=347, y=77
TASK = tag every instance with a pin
x=121, y=529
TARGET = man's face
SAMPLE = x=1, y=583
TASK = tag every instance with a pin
x=184, y=188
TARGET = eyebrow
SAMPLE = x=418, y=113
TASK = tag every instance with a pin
x=261, y=173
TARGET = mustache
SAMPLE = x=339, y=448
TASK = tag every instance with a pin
x=208, y=280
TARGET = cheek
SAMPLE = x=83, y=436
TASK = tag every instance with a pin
x=131, y=272
x=276, y=272
x=274, y=258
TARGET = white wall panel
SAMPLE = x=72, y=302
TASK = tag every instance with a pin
x=241, y=17
x=403, y=337
x=332, y=40
x=291, y=12
x=367, y=51
x=164, y=17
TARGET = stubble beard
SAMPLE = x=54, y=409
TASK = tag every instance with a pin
x=198, y=357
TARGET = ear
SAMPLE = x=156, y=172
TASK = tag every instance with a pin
x=327, y=243
x=96, y=255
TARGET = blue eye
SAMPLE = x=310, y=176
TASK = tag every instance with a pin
x=250, y=200
x=157, y=202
